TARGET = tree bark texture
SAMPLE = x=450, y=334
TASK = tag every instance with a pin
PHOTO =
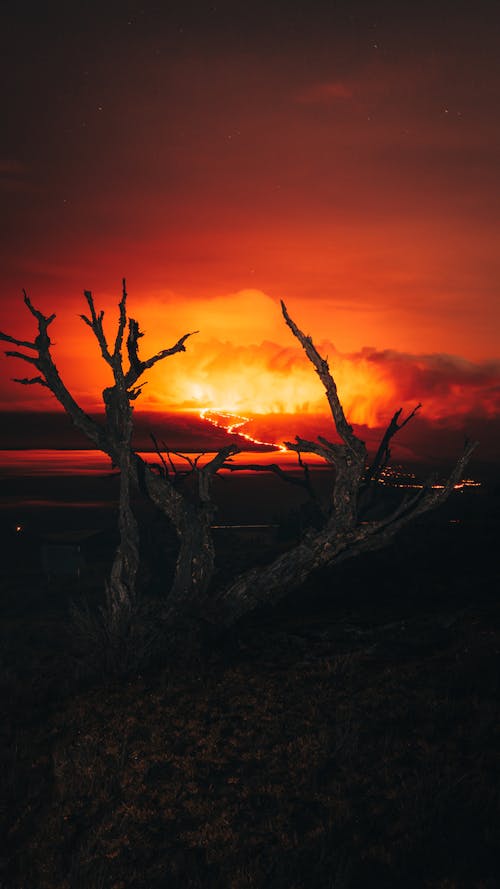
x=191, y=520
x=343, y=536
x=269, y=584
x=191, y=511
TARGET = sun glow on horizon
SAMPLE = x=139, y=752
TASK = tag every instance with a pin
x=227, y=367
x=269, y=379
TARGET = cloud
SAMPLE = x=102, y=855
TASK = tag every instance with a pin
x=245, y=360
x=448, y=386
x=268, y=378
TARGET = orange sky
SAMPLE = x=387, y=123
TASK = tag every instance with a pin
x=342, y=158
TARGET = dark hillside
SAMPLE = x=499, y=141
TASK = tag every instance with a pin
x=349, y=738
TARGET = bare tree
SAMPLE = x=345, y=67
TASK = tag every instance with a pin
x=343, y=535
x=191, y=517
x=191, y=598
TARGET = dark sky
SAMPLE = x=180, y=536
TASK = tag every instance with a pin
x=343, y=156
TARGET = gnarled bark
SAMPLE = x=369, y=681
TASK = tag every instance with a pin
x=194, y=517
x=192, y=521
x=344, y=536
x=191, y=512
x=267, y=585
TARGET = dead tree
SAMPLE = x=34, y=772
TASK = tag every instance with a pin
x=193, y=518
x=190, y=517
x=344, y=535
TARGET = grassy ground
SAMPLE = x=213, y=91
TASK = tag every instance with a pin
x=350, y=738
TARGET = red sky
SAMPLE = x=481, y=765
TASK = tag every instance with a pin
x=341, y=156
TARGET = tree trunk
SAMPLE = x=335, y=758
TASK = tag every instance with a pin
x=269, y=584
x=348, y=475
x=190, y=598
x=192, y=523
x=121, y=589
x=194, y=566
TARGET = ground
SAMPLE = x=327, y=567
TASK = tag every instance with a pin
x=349, y=738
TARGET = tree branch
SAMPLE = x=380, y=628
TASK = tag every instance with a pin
x=302, y=445
x=160, y=455
x=51, y=379
x=219, y=461
x=383, y=455
x=133, y=337
x=95, y=324
x=43, y=320
x=322, y=369
x=165, y=353
x=456, y=475
x=30, y=381
x=29, y=358
x=288, y=571
x=267, y=467
x=122, y=322
x=10, y=339
x=137, y=366
x=186, y=458
x=426, y=499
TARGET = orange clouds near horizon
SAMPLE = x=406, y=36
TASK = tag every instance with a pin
x=342, y=157
x=244, y=360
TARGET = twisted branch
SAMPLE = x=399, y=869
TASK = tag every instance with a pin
x=10, y=339
x=50, y=377
x=321, y=367
x=122, y=321
x=137, y=366
x=383, y=455
x=95, y=324
x=30, y=381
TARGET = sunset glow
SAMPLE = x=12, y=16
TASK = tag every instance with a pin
x=344, y=163
x=255, y=382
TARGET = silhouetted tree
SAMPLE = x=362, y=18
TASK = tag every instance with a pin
x=343, y=534
x=191, y=599
x=191, y=516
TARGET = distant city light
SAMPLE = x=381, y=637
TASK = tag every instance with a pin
x=397, y=477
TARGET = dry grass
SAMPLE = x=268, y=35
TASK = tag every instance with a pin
x=355, y=745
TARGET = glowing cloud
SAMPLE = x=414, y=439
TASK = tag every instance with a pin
x=245, y=361
x=274, y=377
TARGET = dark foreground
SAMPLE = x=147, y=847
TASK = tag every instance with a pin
x=348, y=740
